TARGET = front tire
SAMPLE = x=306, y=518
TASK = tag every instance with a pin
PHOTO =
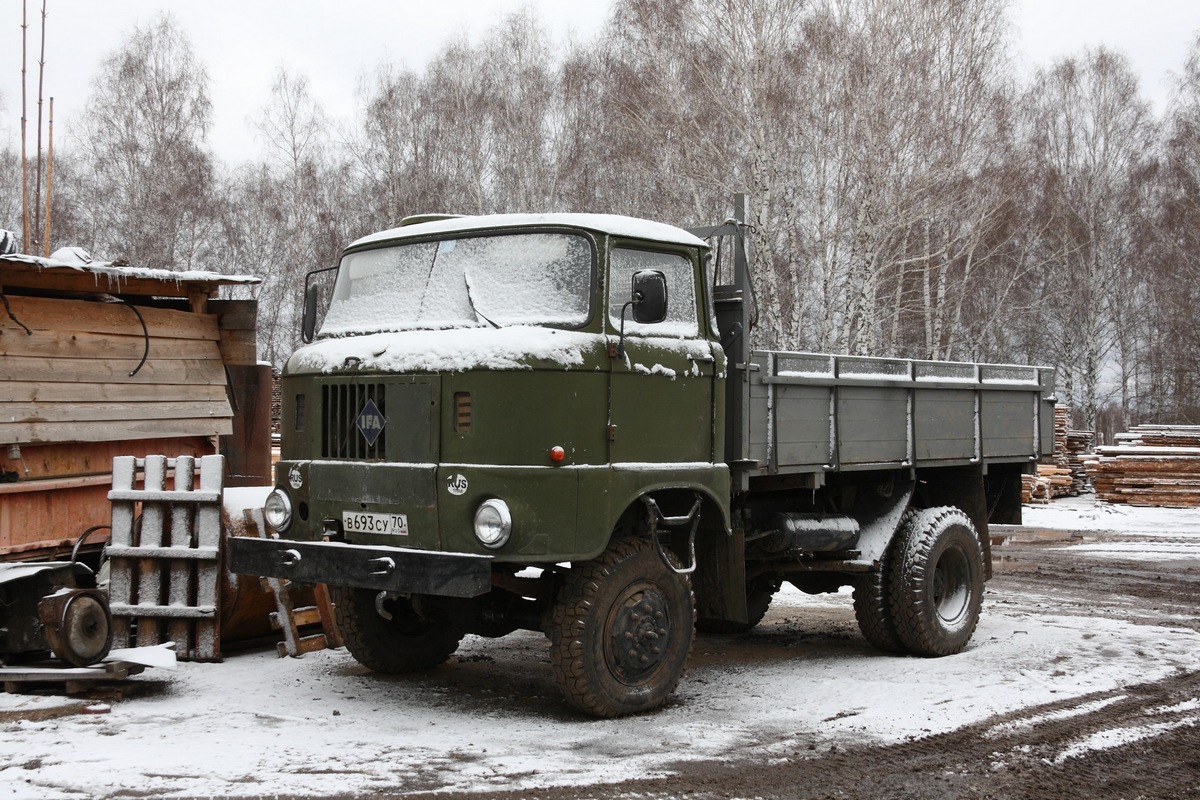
x=937, y=590
x=621, y=631
x=405, y=642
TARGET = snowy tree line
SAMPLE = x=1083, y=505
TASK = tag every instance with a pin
x=910, y=194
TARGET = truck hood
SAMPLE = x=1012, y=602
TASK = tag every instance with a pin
x=458, y=350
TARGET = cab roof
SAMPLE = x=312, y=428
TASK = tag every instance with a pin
x=611, y=224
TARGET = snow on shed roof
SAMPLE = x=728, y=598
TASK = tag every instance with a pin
x=612, y=224
x=75, y=265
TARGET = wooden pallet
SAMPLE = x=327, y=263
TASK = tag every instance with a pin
x=73, y=680
x=165, y=562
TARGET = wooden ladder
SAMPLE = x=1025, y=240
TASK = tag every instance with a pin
x=288, y=618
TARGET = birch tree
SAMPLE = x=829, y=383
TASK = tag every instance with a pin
x=1091, y=134
x=151, y=175
x=1173, y=382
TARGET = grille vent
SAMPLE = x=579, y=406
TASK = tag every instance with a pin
x=462, y=412
x=340, y=408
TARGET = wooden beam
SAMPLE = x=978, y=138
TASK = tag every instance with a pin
x=50, y=392
x=45, y=432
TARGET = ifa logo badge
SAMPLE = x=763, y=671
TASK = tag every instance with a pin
x=370, y=422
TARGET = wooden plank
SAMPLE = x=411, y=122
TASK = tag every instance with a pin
x=205, y=370
x=208, y=575
x=74, y=459
x=235, y=315
x=48, y=432
x=44, y=392
x=238, y=322
x=91, y=412
x=13, y=276
x=239, y=348
x=121, y=586
x=60, y=315
x=73, y=679
x=150, y=578
x=333, y=636
x=82, y=344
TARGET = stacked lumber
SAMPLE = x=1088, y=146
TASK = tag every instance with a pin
x=1035, y=489
x=1049, y=482
x=1151, y=465
x=1079, y=450
x=1064, y=474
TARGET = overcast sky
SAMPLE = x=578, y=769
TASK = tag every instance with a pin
x=243, y=42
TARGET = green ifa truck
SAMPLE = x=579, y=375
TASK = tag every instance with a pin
x=557, y=423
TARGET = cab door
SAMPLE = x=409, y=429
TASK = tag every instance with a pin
x=661, y=390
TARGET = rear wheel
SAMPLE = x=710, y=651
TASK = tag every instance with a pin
x=937, y=590
x=872, y=602
x=386, y=634
x=621, y=630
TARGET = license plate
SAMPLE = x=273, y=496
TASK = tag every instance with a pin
x=363, y=522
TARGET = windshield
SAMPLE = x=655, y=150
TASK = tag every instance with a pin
x=495, y=280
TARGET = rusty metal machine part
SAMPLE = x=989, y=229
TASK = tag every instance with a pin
x=52, y=607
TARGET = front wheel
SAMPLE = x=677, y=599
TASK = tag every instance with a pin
x=387, y=634
x=937, y=588
x=621, y=631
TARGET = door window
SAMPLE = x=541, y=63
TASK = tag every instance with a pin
x=681, y=292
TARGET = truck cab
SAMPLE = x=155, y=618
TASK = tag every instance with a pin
x=488, y=395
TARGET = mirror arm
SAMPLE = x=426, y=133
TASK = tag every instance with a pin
x=637, y=298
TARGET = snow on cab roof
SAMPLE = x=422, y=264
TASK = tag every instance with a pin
x=613, y=224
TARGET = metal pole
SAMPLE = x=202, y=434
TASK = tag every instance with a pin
x=24, y=104
x=49, y=177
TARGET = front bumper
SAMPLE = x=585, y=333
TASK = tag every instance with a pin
x=389, y=569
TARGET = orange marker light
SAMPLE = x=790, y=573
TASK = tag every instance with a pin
x=557, y=454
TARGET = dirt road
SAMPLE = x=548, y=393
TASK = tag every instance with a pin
x=1140, y=741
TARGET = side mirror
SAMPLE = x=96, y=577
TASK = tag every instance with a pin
x=649, y=296
x=312, y=296
x=312, y=299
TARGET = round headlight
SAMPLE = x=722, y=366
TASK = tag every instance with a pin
x=493, y=523
x=277, y=510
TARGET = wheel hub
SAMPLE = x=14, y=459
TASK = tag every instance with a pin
x=639, y=630
x=950, y=585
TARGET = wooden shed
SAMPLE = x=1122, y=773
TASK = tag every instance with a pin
x=100, y=359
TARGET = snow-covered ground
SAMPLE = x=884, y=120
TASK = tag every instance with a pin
x=492, y=718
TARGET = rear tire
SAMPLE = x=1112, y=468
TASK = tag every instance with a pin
x=872, y=600
x=937, y=590
x=407, y=642
x=621, y=631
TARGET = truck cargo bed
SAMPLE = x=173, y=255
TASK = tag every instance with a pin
x=815, y=413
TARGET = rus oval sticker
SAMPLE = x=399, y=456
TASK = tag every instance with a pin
x=457, y=484
x=295, y=478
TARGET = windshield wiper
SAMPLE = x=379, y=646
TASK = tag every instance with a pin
x=471, y=301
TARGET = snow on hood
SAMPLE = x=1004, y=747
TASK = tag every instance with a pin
x=613, y=224
x=456, y=350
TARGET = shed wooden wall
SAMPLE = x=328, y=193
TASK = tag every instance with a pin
x=70, y=379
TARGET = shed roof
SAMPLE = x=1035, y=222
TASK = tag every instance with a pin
x=71, y=270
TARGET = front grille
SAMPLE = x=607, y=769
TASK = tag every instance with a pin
x=341, y=407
